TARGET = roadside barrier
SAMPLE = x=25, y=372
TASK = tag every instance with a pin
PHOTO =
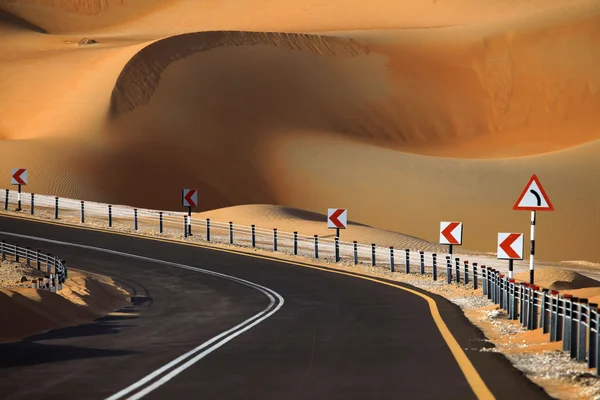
x=571, y=320
x=55, y=268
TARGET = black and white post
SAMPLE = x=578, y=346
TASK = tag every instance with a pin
x=337, y=244
x=189, y=219
x=19, y=198
x=531, y=248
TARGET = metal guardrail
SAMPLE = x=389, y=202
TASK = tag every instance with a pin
x=569, y=319
x=564, y=317
x=55, y=268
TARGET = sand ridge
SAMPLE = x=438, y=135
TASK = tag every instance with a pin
x=416, y=126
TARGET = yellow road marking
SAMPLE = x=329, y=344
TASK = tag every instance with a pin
x=473, y=378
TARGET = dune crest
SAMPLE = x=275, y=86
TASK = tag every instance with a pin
x=141, y=75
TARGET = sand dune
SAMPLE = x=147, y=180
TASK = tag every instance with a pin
x=407, y=114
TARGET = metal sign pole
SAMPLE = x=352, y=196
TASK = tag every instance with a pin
x=19, y=198
x=532, y=247
x=189, y=220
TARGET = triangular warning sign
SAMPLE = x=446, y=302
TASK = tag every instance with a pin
x=534, y=197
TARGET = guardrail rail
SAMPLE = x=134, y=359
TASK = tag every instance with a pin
x=55, y=268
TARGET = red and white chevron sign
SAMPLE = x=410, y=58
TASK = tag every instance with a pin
x=451, y=232
x=18, y=176
x=190, y=197
x=337, y=218
x=510, y=246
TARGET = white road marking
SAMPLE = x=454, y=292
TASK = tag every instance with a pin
x=275, y=303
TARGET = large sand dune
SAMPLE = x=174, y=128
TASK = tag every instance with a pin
x=407, y=114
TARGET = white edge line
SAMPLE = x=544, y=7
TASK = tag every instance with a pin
x=238, y=329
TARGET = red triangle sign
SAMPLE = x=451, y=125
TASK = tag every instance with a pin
x=533, y=197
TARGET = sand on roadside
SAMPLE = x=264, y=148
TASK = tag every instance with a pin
x=27, y=311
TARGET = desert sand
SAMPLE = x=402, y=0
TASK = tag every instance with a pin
x=406, y=113
x=27, y=311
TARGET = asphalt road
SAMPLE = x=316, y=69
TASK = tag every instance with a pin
x=334, y=337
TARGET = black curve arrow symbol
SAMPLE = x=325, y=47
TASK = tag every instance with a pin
x=537, y=196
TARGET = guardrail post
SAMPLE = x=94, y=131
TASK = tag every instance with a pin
x=208, y=229
x=561, y=304
x=27, y=262
x=592, y=335
x=501, y=293
x=274, y=239
x=230, y=232
x=110, y=216
x=135, y=219
x=185, y=230
x=574, y=321
x=492, y=281
x=160, y=222
x=316, y=246
x=434, y=256
x=491, y=288
x=533, y=315
x=457, y=264
x=373, y=255
x=510, y=297
x=17, y=257
x=391, y=258
x=597, y=348
x=484, y=281
x=527, y=307
x=48, y=263
x=2, y=250
x=407, y=261
x=521, y=302
x=581, y=329
x=82, y=212
x=37, y=260
x=515, y=303
x=56, y=207
x=475, y=278
x=355, y=245
x=422, y=254
x=553, y=315
x=253, y=234
x=544, y=312
x=6, y=199
x=506, y=289
x=65, y=270
x=466, y=272
x=295, y=243
x=568, y=307
x=448, y=270
x=337, y=249
x=32, y=203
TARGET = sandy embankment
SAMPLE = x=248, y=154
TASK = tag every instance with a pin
x=27, y=311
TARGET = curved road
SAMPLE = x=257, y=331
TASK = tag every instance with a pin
x=316, y=335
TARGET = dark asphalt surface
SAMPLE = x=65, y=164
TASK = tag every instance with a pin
x=336, y=337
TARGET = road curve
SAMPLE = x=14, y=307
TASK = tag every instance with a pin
x=334, y=337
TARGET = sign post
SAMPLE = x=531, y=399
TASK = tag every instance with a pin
x=451, y=234
x=337, y=218
x=510, y=247
x=19, y=177
x=533, y=198
x=189, y=199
